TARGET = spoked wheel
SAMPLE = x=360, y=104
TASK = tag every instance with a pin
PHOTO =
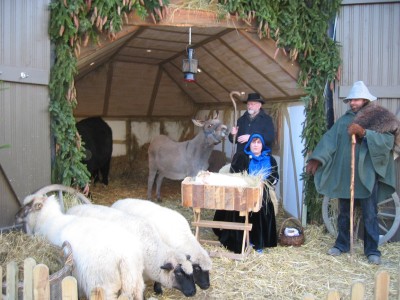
x=66, y=195
x=388, y=217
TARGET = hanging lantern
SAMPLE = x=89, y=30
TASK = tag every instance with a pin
x=189, y=66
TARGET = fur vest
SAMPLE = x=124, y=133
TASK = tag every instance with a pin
x=379, y=119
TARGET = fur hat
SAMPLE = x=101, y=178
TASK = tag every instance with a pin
x=359, y=91
x=254, y=97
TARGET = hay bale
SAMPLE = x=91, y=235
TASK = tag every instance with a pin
x=126, y=166
x=17, y=246
x=121, y=166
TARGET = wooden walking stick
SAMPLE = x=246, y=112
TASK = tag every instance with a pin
x=234, y=119
x=353, y=154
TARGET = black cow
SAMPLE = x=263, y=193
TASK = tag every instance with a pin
x=97, y=136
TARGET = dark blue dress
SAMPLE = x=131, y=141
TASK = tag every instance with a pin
x=263, y=233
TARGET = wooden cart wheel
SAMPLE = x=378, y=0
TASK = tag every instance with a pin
x=388, y=217
x=67, y=196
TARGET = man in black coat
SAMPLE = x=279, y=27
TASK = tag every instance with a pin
x=253, y=120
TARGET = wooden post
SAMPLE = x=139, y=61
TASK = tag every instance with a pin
x=69, y=288
x=398, y=284
x=333, y=295
x=29, y=265
x=357, y=291
x=197, y=212
x=353, y=154
x=97, y=294
x=382, y=282
x=12, y=280
x=245, y=235
x=1, y=276
x=41, y=284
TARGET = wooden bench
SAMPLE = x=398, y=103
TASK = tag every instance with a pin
x=246, y=227
x=222, y=225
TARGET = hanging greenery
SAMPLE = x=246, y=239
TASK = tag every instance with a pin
x=72, y=24
x=298, y=27
x=300, y=30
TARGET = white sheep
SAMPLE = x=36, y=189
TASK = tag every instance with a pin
x=104, y=254
x=175, y=232
x=162, y=264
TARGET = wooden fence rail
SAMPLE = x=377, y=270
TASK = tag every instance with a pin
x=36, y=285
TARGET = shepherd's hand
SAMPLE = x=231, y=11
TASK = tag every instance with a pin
x=312, y=166
x=357, y=130
x=243, y=138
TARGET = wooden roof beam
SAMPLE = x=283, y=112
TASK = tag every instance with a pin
x=230, y=70
x=197, y=83
x=290, y=67
x=154, y=92
x=205, y=41
x=178, y=85
x=250, y=64
x=104, y=42
x=190, y=17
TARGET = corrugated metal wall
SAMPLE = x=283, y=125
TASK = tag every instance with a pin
x=370, y=48
x=370, y=39
x=24, y=98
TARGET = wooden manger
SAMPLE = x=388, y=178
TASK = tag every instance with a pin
x=206, y=196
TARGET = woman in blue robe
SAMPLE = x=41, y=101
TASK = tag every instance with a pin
x=256, y=160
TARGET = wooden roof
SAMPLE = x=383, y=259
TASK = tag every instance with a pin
x=139, y=72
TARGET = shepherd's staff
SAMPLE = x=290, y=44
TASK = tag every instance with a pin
x=353, y=154
x=234, y=119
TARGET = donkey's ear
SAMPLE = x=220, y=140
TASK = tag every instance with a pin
x=198, y=122
x=216, y=115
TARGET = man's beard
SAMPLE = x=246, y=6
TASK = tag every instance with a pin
x=357, y=109
x=252, y=112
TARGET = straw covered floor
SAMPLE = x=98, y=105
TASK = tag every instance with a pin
x=278, y=273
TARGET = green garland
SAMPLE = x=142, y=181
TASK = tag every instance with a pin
x=298, y=27
x=72, y=24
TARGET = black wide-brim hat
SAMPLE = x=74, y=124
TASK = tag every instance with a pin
x=255, y=97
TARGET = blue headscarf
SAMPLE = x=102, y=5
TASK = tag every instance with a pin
x=259, y=164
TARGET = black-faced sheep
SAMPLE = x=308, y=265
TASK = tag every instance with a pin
x=104, y=254
x=175, y=232
x=162, y=264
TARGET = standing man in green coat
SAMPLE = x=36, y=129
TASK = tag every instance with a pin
x=330, y=163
